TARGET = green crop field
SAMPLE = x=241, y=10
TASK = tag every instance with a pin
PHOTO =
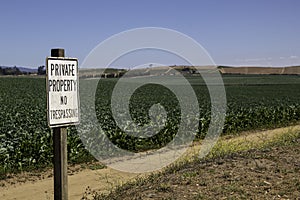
x=253, y=102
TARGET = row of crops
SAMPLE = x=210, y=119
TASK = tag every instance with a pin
x=253, y=102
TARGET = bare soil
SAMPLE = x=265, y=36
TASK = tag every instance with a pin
x=81, y=179
x=260, y=70
x=272, y=173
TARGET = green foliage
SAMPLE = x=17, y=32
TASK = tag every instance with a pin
x=254, y=102
x=41, y=70
x=25, y=138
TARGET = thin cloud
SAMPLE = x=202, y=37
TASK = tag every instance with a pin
x=293, y=57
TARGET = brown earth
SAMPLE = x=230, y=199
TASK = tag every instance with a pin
x=39, y=185
x=261, y=70
x=266, y=174
x=271, y=173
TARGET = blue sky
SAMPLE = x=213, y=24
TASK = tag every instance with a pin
x=234, y=32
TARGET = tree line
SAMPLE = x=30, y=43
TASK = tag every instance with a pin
x=10, y=71
x=16, y=71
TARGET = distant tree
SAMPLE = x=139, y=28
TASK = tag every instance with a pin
x=16, y=71
x=41, y=70
x=11, y=71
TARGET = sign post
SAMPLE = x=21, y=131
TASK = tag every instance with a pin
x=62, y=110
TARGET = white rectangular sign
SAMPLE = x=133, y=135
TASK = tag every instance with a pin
x=62, y=91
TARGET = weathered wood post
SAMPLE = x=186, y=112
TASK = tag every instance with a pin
x=60, y=152
x=62, y=111
x=60, y=163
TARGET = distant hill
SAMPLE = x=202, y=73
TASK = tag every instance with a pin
x=187, y=70
x=100, y=72
x=295, y=70
x=164, y=70
x=28, y=70
x=22, y=69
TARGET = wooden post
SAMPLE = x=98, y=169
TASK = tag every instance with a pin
x=60, y=152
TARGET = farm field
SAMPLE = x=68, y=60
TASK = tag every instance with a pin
x=254, y=102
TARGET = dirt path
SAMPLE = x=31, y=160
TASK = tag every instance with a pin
x=31, y=187
x=100, y=180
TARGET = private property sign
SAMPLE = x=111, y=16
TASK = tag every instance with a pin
x=62, y=91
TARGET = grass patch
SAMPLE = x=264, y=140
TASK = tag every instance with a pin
x=254, y=141
x=96, y=166
x=224, y=148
